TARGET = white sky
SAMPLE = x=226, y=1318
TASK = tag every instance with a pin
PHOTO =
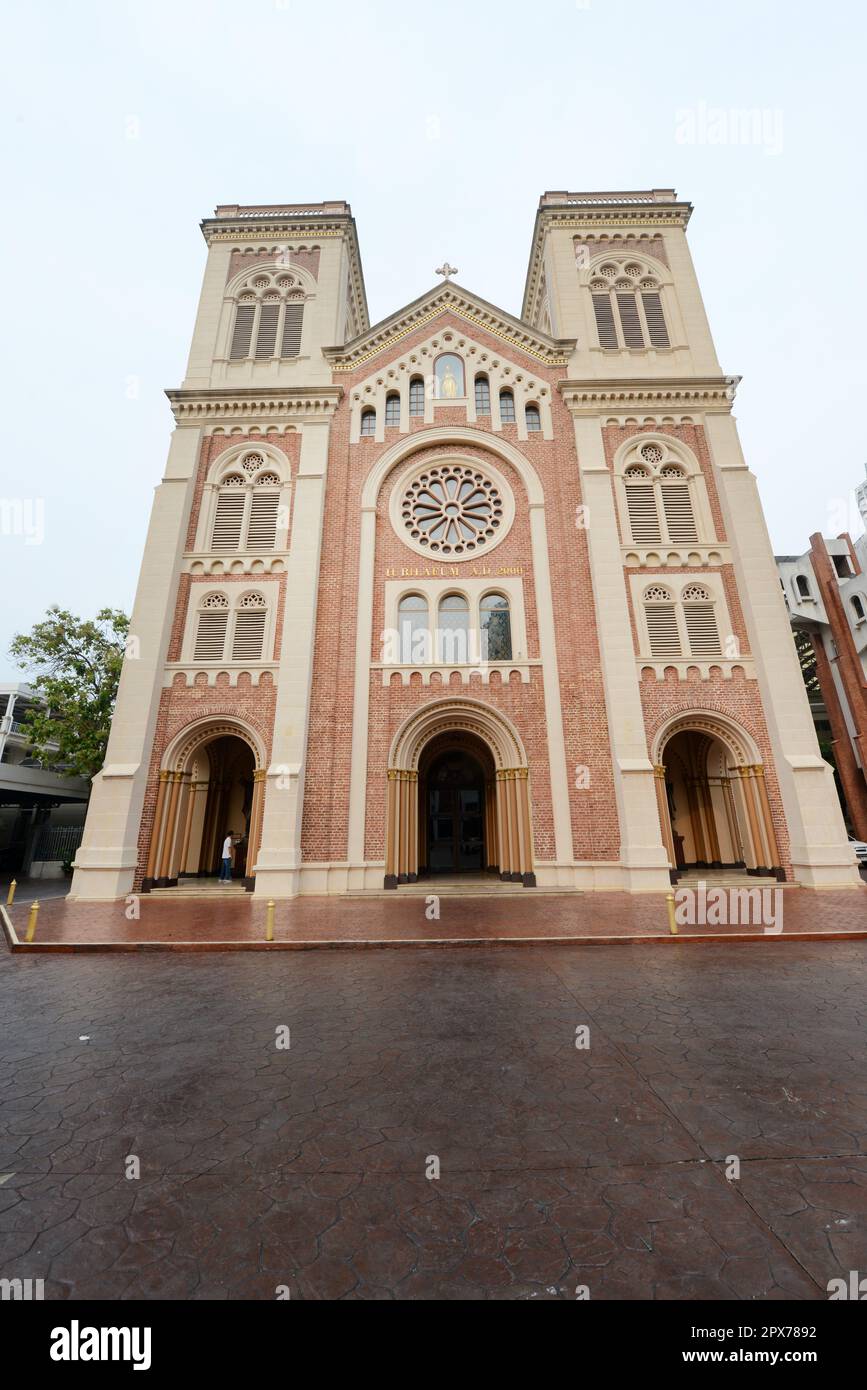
x=441, y=124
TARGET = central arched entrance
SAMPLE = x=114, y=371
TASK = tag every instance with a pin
x=458, y=796
x=211, y=786
x=455, y=785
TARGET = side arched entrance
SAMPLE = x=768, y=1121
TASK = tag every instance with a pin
x=458, y=797
x=211, y=785
x=713, y=799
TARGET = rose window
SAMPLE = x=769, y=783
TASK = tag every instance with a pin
x=452, y=510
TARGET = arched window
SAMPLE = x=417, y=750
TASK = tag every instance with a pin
x=483, y=396
x=392, y=409
x=453, y=629
x=659, y=502
x=496, y=628
x=247, y=509
x=857, y=607
x=803, y=586
x=269, y=313
x=702, y=633
x=211, y=629
x=240, y=630
x=414, y=629
x=661, y=616
x=248, y=638
x=368, y=422
x=627, y=304
x=416, y=397
x=449, y=377
x=533, y=418
x=507, y=407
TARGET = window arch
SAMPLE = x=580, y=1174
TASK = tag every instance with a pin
x=416, y=397
x=248, y=505
x=413, y=620
x=483, y=395
x=392, y=409
x=660, y=506
x=802, y=584
x=532, y=418
x=687, y=628
x=858, y=608
x=507, y=406
x=627, y=303
x=368, y=422
x=230, y=633
x=449, y=376
x=453, y=629
x=269, y=315
x=496, y=626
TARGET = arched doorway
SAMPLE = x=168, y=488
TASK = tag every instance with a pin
x=455, y=784
x=458, y=798
x=713, y=801
x=213, y=786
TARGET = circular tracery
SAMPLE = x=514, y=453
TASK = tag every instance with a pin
x=452, y=510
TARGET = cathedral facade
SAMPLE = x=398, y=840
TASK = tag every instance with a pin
x=461, y=593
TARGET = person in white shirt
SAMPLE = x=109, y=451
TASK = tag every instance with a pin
x=228, y=852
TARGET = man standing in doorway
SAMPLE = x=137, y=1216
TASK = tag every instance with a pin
x=228, y=855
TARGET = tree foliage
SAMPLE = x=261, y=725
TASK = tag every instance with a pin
x=75, y=666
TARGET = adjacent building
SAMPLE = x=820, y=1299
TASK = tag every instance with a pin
x=465, y=591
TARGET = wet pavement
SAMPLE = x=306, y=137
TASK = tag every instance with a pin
x=608, y=1166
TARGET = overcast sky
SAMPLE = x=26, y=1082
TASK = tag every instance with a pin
x=125, y=123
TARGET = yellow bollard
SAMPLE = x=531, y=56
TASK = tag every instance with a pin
x=31, y=921
x=269, y=920
x=672, y=925
x=10, y=896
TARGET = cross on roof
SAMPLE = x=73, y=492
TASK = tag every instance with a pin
x=446, y=270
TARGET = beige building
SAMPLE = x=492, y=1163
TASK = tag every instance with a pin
x=465, y=592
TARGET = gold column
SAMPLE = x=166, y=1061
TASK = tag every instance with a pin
x=255, y=832
x=185, y=801
x=403, y=855
x=391, y=808
x=502, y=824
x=512, y=805
x=412, y=841
x=150, y=872
x=194, y=790
x=706, y=804
x=765, y=808
x=752, y=817
x=522, y=784
x=170, y=824
x=695, y=821
x=731, y=817
x=664, y=817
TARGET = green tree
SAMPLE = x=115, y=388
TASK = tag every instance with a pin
x=75, y=667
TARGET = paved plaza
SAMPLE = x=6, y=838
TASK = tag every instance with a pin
x=559, y=1166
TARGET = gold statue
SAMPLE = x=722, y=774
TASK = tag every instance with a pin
x=450, y=384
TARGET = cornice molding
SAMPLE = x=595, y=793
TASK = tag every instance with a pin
x=190, y=406
x=588, y=398
x=450, y=298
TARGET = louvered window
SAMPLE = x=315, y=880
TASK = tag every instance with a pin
x=643, y=514
x=605, y=321
x=229, y=519
x=248, y=640
x=290, y=345
x=243, y=332
x=662, y=629
x=483, y=396
x=266, y=340
x=392, y=410
x=701, y=629
x=262, y=530
x=679, y=518
x=416, y=396
x=211, y=630
x=507, y=408
x=655, y=320
x=630, y=323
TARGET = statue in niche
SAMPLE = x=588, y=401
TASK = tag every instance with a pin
x=449, y=377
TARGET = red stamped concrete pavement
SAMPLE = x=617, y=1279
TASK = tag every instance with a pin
x=238, y=921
